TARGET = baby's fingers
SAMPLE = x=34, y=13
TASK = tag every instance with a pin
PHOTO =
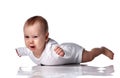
x=62, y=54
x=56, y=48
x=17, y=52
x=59, y=51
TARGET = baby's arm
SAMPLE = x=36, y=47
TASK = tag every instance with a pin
x=59, y=51
x=21, y=51
x=17, y=53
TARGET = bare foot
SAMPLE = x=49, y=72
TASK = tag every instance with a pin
x=108, y=53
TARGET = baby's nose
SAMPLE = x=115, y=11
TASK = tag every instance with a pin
x=31, y=40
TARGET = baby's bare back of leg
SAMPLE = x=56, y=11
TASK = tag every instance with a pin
x=90, y=55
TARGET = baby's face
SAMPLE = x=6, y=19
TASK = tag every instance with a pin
x=35, y=38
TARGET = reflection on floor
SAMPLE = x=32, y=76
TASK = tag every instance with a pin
x=65, y=71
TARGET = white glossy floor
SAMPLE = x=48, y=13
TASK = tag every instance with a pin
x=100, y=67
x=66, y=71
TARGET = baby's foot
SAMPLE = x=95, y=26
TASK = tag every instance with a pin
x=108, y=53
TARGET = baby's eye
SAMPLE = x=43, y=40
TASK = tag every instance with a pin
x=35, y=36
x=26, y=36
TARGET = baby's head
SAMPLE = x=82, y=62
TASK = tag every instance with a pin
x=36, y=33
x=37, y=20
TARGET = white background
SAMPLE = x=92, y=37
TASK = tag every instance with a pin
x=89, y=23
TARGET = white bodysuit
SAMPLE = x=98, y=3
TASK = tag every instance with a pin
x=73, y=54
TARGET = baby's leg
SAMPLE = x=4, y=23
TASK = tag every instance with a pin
x=108, y=53
x=90, y=55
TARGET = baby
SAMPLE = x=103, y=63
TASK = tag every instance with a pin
x=45, y=51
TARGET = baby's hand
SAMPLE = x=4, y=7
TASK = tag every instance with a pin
x=17, y=52
x=59, y=51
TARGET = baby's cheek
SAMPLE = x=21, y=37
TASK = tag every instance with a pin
x=26, y=43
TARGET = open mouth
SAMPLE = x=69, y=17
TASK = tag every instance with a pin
x=32, y=47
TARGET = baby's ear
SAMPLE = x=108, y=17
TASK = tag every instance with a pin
x=47, y=36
